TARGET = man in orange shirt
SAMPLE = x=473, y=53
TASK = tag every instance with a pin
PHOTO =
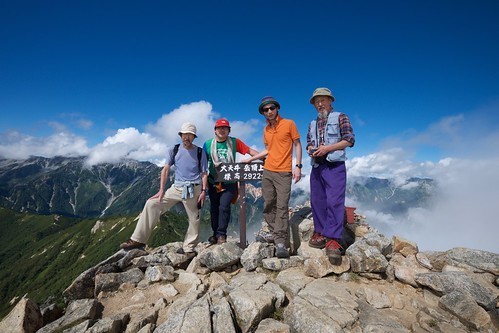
x=280, y=136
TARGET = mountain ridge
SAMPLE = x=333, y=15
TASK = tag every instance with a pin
x=69, y=187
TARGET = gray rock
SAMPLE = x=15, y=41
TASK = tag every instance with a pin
x=159, y=273
x=366, y=258
x=112, y=281
x=477, y=259
x=130, y=256
x=303, y=317
x=373, y=320
x=446, y=282
x=115, y=324
x=406, y=268
x=423, y=260
x=76, y=312
x=250, y=300
x=79, y=328
x=254, y=253
x=221, y=256
x=176, y=313
x=25, y=317
x=140, y=318
x=465, y=308
x=272, y=326
x=322, y=306
x=376, y=298
x=276, y=264
x=222, y=315
x=293, y=280
x=404, y=246
x=51, y=312
x=379, y=241
x=83, y=286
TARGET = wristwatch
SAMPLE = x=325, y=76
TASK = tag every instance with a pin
x=300, y=165
x=205, y=190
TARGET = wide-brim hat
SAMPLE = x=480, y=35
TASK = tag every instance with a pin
x=321, y=92
x=188, y=128
x=268, y=100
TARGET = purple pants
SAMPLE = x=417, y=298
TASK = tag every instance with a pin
x=327, y=197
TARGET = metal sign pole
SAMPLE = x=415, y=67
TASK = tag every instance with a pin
x=242, y=215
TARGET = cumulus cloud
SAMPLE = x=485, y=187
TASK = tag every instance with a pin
x=461, y=214
x=19, y=146
x=127, y=143
x=199, y=113
x=150, y=145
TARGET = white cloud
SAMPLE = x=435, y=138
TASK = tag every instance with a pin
x=150, y=145
x=462, y=212
x=198, y=113
x=127, y=143
x=391, y=163
x=85, y=123
x=20, y=146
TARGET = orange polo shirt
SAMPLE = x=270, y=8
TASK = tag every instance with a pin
x=279, y=143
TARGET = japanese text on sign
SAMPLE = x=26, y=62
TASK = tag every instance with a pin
x=237, y=172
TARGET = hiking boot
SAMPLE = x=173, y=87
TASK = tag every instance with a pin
x=281, y=251
x=221, y=239
x=189, y=255
x=264, y=237
x=212, y=240
x=131, y=244
x=317, y=241
x=333, y=252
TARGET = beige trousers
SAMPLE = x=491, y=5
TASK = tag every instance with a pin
x=153, y=209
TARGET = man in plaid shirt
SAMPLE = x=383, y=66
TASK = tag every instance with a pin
x=327, y=138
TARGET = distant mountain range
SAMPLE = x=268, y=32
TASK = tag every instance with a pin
x=50, y=209
x=68, y=187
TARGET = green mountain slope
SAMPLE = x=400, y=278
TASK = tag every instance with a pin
x=42, y=254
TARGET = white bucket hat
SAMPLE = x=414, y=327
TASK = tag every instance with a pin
x=188, y=128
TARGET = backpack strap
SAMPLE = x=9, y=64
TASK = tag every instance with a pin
x=200, y=154
x=175, y=151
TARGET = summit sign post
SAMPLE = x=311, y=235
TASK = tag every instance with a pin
x=240, y=172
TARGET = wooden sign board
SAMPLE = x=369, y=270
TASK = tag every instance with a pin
x=239, y=172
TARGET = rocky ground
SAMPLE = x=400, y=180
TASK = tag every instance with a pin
x=382, y=285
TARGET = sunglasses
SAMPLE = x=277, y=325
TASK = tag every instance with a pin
x=273, y=107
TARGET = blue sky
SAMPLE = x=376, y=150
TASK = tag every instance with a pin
x=113, y=79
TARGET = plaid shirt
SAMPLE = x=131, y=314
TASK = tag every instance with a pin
x=346, y=131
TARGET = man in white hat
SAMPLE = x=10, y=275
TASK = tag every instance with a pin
x=190, y=187
x=328, y=137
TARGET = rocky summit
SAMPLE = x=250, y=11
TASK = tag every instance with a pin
x=381, y=285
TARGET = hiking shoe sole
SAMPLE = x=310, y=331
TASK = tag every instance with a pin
x=130, y=245
x=317, y=245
